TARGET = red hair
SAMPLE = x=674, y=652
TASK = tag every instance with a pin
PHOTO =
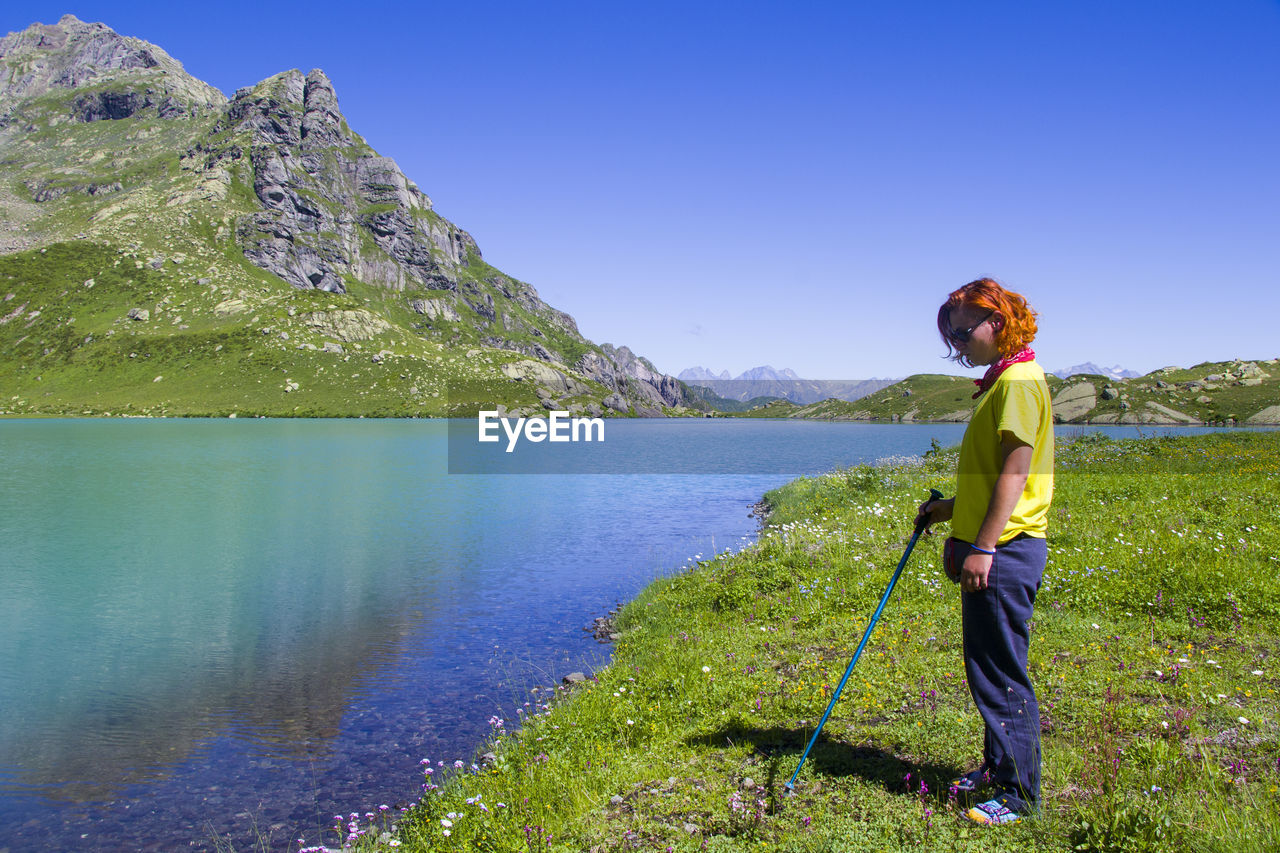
x=1018, y=329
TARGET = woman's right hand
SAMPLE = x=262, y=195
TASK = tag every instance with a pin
x=936, y=512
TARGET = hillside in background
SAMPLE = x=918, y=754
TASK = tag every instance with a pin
x=1231, y=392
x=167, y=250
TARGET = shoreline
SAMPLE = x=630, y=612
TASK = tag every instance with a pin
x=895, y=420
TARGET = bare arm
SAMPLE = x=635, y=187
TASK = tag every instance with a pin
x=1004, y=497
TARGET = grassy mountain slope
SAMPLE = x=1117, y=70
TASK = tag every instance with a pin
x=255, y=253
x=217, y=349
x=1245, y=392
x=925, y=397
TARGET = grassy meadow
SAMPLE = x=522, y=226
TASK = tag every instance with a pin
x=1152, y=651
x=216, y=346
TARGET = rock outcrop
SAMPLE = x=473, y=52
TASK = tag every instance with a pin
x=631, y=376
x=1172, y=416
x=347, y=326
x=1268, y=416
x=332, y=209
x=1074, y=401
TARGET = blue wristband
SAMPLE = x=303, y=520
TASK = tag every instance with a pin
x=983, y=551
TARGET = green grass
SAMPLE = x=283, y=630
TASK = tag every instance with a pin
x=1154, y=651
x=73, y=351
x=922, y=397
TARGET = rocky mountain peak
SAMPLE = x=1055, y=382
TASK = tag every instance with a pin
x=72, y=54
x=1113, y=372
x=333, y=208
x=287, y=109
x=304, y=106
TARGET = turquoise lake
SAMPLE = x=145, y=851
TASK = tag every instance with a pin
x=236, y=629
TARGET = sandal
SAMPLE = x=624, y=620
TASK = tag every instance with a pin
x=1001, y=811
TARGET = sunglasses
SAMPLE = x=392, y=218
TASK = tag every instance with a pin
x=961, y=336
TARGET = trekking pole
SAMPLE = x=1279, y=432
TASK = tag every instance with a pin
x=934, y=495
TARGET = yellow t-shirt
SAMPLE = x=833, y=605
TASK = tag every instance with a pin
x=1017, y=402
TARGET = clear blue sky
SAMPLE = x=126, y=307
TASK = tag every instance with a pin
x=737, y=183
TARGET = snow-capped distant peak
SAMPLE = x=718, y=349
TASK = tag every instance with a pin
x=1113, y=372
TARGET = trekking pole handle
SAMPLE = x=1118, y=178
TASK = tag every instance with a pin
x=923, y=521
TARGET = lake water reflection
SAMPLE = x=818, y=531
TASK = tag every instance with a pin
x=237, y=629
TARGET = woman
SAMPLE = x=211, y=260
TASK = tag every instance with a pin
x=999, y=518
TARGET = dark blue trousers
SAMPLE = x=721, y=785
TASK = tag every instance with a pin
x=995, y=662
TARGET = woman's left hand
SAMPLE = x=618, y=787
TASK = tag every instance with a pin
x=973, y=574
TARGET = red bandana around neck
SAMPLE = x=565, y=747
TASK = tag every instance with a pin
x=989, y=378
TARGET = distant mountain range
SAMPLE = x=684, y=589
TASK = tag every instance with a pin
x=1115, y=372
x=768, y=382
x=765, y=372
